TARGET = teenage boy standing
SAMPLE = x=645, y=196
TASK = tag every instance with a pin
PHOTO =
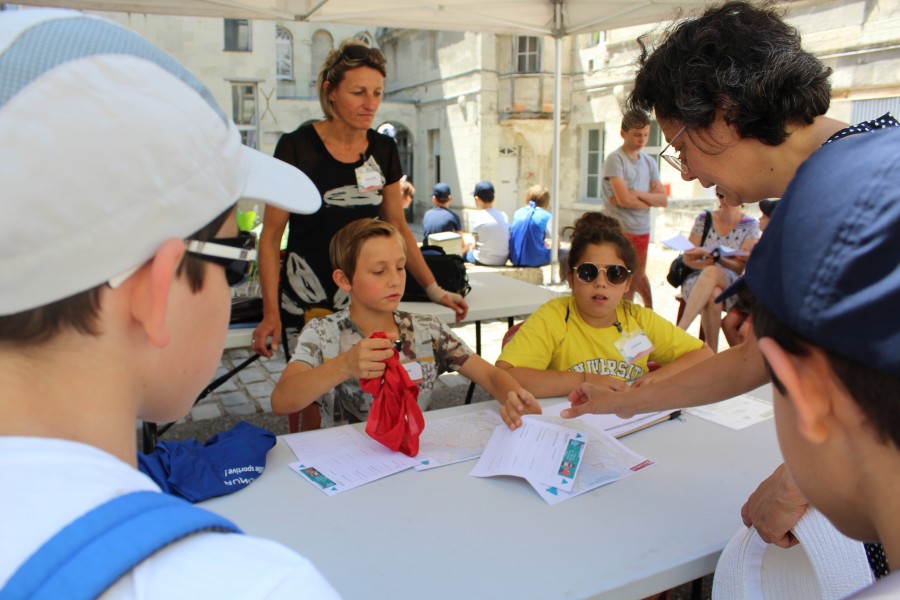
x=630, y=187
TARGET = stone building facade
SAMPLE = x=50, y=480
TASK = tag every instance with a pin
x=466, y=106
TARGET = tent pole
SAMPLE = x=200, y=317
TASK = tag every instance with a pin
x=557, y=109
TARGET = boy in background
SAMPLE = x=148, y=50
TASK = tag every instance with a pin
x=630, y=187
x=489, y=229
x=121, y=174
x=826, y=295
x=440, y=218
x=333, y=353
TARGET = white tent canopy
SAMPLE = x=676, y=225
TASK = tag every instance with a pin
x=531, y=17
x=556, y=18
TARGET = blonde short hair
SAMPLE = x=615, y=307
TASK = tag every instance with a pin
x=347, y=243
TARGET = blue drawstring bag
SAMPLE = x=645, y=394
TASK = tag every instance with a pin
x=227, y=462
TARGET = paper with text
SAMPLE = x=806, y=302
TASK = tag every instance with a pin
x=737, y=413
x=343, y=459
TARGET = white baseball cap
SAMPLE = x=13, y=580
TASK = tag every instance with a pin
x=109, y=147
x=826, y=565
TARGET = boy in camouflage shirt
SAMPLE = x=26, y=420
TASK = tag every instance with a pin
x=333, y=353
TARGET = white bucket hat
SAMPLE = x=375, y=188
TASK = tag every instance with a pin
x=110, y=147
x=825, y=565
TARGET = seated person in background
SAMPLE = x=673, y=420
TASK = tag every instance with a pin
x=121, y=311
x=732, y=229
x=531, y=230
x=440, y=218
x=489, y=243
x=580, y=337
x=826, y=325
x=736, y=324
x=333, y=353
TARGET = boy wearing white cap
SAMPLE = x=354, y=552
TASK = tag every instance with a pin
x=120, y=178
x=825, y=279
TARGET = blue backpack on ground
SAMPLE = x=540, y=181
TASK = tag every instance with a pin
x=91, y=553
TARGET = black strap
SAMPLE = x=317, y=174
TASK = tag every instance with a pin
x=706, y=225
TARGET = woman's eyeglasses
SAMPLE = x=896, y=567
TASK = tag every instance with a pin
x=615, y=274
x=671, y=158
x=236, y=254
x=359, y=52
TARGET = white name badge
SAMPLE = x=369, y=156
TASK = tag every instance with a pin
x=368, y=180
x=414, y=370
x=634, y=345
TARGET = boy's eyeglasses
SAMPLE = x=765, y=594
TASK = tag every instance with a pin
x=357, y=52
x=615, y=274
x=671, y=158
x=236, y=254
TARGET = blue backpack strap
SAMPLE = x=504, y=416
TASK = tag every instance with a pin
x=94, y=551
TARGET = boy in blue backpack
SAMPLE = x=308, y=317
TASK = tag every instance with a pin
x=120, y=178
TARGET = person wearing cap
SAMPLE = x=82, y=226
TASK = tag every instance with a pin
x=488, y=242
x=440, y=218
x=630, y=187
x=826, y=328
x=755, y=115
x=357, y=172
x=121, y=175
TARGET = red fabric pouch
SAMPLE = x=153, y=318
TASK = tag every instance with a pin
x=395, y=418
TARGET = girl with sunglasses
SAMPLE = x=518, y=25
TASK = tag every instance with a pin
x=595, y=335
x=358, y=173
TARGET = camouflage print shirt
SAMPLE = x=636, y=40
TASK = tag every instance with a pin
x=424, y=339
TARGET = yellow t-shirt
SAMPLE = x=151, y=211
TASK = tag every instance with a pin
x=548, y=340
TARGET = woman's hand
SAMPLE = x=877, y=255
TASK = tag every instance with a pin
x=266, y=336
x=698, y=258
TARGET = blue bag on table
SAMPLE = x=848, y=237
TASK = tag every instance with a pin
x=227, y=462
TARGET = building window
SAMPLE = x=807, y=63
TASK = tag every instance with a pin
x=597, y=38
x=592, y=161
x=243, y=112
x=284, y=54
x=527, y=54
x=866, y=110
x=237, y=35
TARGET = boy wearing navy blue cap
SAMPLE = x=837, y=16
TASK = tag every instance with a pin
x=489, y=229
x=440, y=218
x=826, y=285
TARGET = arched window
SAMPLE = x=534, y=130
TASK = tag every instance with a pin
x=364, y=36
x=322, y=44
x=284, y=54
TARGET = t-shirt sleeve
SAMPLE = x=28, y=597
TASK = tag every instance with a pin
x=669, y=341
x=613, y=166
x=654, y=168
x=699, y=222
x=450, y=351
x=537, y=339
x=309, y=345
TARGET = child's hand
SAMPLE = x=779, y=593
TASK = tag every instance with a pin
x=366, y=359
x=607, y=382
x=519, y=402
